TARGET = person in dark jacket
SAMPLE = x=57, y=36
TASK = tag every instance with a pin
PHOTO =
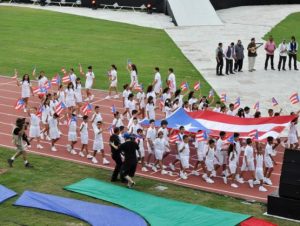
x=239, y=56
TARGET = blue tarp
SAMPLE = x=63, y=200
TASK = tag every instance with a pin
x=180, y=118
x=92, y=213
x=6, y=193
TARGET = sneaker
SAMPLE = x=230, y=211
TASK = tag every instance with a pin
x=94, y=160
x=268, y=181
x=81, y=154
x=89, y=156
x=10, y=162
x=256, y=182
x=157, y=166
x=240, y=180
x=130, y=185
x=28, y=165
x=234, y=185
x=164, y=172
x=79, y=116
x=262, y=189
x=73, y=152
x=69, y=148
x=116, y=96
x=92, y=97
x=107, y=97
x=154, y=169
x=53, y=148
x=194, y=172
x=144, y=169
x=164, y=167
x=214, y=173
x=48, y=138
x=225, y=180
x=105, y=161
x=172, y=167
x=183, y=176
x=251, y=183
x=39, y=146
x=209, y=180
x=204, y=176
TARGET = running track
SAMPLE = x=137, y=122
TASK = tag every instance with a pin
x=9, y=93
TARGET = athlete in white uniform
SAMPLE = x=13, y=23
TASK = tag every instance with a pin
x=84, y=136
x=89, y=80
x=34, y=129
x=72, y=134
x=160, y=144
x=293, y=135
x=171, y=80
x=270, y=153
x=210, y=160
x=113, y=79
x=157, y=81
x=53, y=130
x=184, y=156
x=201, y=147
x=248, y=162
x=150, y=136
x=78, y=96
x=259, y=170
x=26, y=89
x=140, y=141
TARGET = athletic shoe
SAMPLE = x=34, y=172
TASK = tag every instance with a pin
x=183, y=176
x=164, y=172
x=39, y=146
x=10, y=162
x=69, y=148
x=157, y=166
x=204, y=176
x=105, y=161
x=28, y=165
x=172, y=167
x=89, y=156
x=256, y=182
x=194, y=172
x=251, y=183
x=144, y=169
x=164, y=167
x=42, y=136
x=92, y=97
x=59, y=132
x=209, y=180
x=262, y=189
x=268, y=181
x=116, y=96
x=154, y=169
x=130, y=185
x=214, y=173
x=107, y=97
x=53, y=148
x=94, y=160
x=225, y=180
x=81, y=154
x=240, y=180
x=73, y=152
x=48, y=138
x=79, y=116
x=234, y=185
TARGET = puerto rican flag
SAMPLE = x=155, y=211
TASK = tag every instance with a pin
x=274, y=102
x=56, y=80
x=111, y=129
x=174, y=138
x=66, y=79
x=237, y=103
x=201, y=136
x=60, y=107
x=294, y=98
x=87, y=108
x=223, y=98
x=40, y=90
x=40, y=111
x=138, y=87
x=197, y=86
x=211, y=93
x=184, y=86
x=47, y=85
x=20, y=104
x=256, y=106
x=253, y=134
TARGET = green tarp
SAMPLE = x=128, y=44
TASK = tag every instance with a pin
x=157, y=211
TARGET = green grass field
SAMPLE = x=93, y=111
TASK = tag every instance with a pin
x=286, y=29
x=50, y=40
x=51, y=175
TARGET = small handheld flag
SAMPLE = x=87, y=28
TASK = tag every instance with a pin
x=223, y=98
x=111, y=129
x=211, y=93
x=174, y=138
x=47, y=85
x=40, y=90
x=56, y=80
x=237, y=103
x=113, y=109
x=87, y=108
x=253, y=134
x=184, y=86
x=60, y=107
x=40, y=111
x=231, y=139
x=294, y=98
x=201, y=136
x=274, y=102
x=20, y=104
x=197, y=86
x=256, y=106
x=129, y=62
x=138, y=87
x=66, y=79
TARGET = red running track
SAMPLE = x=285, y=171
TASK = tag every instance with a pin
x=9, y=93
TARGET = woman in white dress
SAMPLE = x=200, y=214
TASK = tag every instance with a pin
x=192, y=99
x=133, y=75
x=178, y=96
x=70, y=97
x=113, y=79
x=150, y=92
x=78, y=96
x=46, y=114
x=26, y=89
x=150, y=109
x=157, y=81
x=89, y=80
x=140, y=96
x=73, y=76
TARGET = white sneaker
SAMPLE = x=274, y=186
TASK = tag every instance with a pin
x=164, y=167
x=73, y=152
x=268, y=181
x=194, y=172
x=105, y=161
x=39, y=146
x=154, y=169
x=92, y=97
x=59, y=132
x=240, y=180
x=25, y=110
x=94, y=160
x=225, y=180
x=48, y=138
x=234, y=185
x=42, y=136
x=116, y=96
x=164, y=172
x=157, y=166
x=172, y=167
x=214, y=173
x=53, y=148
x=209, y=180
x=107, y=97
x=204, y=176
x=89, y=156
x=79, y=115
x=183, y=176
x=144, y=169
x=262, y=189
x=256, y=182
x=69, y=148
x=81, y=154
x=251, y=183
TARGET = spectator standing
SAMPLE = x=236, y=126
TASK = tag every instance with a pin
x=239, y=56
x=252, y=54
x=219, y=58
x=283, y=49
x=293, y=49
x=270, y=47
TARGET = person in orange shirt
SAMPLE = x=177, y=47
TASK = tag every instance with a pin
x=270, y=47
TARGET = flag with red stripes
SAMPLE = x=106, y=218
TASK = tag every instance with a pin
x=87, y=108
x=201, y=136
x=274, y=102
x=184, y=86
x=256, y=106
x=174, y=138
x=20, y=104
x=294, y=98
x=223, y=98
x=197, y=86
x=237, y=103
x=66, y=79
x=60, y=107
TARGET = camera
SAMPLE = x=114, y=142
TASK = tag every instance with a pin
x=22, y=123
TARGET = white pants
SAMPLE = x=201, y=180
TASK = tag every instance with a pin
x=251, y=61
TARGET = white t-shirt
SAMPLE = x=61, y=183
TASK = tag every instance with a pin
x=114, y=76
x=233, y=158
x=89, y=78
x=160, y=144
x=165, y=132
x=73, y=126
x=293, y=129
x=73, y=79
x=232, y=113
x=192, y=101
x=133, y=77
x=34, y=120
x=134, y=127
x=61, y=96
x=117, y=122
x=52, y=123
x=269, y=151
x=98, y=136
x=42, y=81
x=259, y=161
x=186, y=150
x=180, y=100
x=70, y=94
x=141, y=99
x=249, y=153
x=150, y=108
x=25, y=89
x=84, y=128
x=96, y=118
x=248, y=115
x=152, y=94
x=172, y=81
x=217, y=109
x=131, y=105
x=210, y=154
x=157, y=85
x=168, y=111
x=151, y=134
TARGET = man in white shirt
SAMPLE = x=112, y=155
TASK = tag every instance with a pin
x=231, y=110
x=171, y=80
x=229, y=56
x=283, y=50
x=157, y=81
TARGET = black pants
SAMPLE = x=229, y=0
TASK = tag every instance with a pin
x=267, y=61
x=229, y=66
x=238, y=64
x=220, y=66
x=118, y=160
x=294, y=57
x=282, y=59
x=128, y=169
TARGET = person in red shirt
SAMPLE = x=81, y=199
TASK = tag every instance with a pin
x=270, y=49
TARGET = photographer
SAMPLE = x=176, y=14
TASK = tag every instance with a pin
x=19, y=138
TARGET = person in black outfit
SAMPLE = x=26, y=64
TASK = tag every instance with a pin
x=114, y=143
x=229, y=56
x=292, y=51
x=219, y=58
x=129, y=150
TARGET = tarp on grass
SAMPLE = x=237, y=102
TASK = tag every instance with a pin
x=6, y=193
x=156, y=210
x=92, y=213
